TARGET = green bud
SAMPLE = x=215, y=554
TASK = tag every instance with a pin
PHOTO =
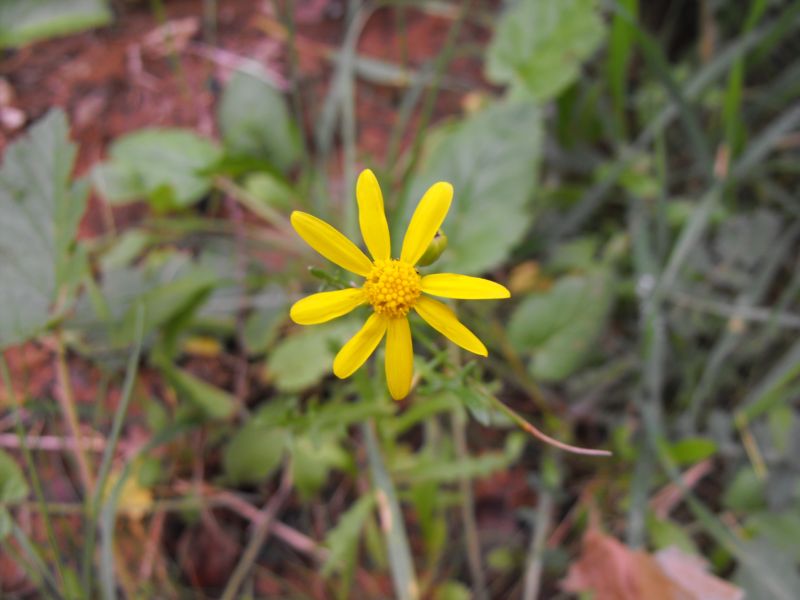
x=435, y=249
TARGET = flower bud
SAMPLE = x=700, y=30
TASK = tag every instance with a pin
x=435, y=249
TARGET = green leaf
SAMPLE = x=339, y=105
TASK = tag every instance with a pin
x=452, y=590
x=208, y=401
x=6, y=523
x=560, y=326
x=23, y=21
x=254, y=453
x=492, y=161
x=745, y=492
x=342, y=540
x=666, y=533
x=39, y=215
x=692, y=450
x=169, y=167
x=268, y=190
x=312, y=461
x=13, y=487
x=435, y=468
x=255, y=121
x=540, y=45
x=303, y=359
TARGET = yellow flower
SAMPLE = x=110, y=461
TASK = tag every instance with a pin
x=391, y=286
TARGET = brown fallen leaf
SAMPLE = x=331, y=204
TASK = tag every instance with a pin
x=690, y=573
x=613, y=571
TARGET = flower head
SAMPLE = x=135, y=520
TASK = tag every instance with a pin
x=392, y=286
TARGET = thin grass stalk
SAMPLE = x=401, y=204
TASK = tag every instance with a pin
x=535, y=561
x=111, y=445
x=30, y=552
x=66, y=401
x=33, y=473
x=391, y=517
x=593, y=199
x=458, y=424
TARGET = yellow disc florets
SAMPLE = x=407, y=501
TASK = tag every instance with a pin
x=392, y=287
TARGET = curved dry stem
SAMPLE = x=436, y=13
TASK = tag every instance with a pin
x=539, y=435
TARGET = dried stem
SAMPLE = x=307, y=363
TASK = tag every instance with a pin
x=66, y=400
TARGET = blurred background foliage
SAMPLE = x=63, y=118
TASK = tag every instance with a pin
x=629, y=169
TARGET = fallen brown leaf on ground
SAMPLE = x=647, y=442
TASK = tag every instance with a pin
x=613, y=571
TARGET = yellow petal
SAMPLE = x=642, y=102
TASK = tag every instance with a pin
x=425, y=222
x=442, y=319
x=325, y=306
x=330, y=243
x=399, y=358
x=451, y=285
x=372, y=217
x=355, y=352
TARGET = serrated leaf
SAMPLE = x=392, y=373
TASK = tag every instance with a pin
x=561, y=325
x=430, y=468
x=255, y=121
x=170, y=167
x=39, y=215
x=254, y=453
x=540, y=45
x=303, y=359
x=492, y=161
x=23, y=21
x=13, y=487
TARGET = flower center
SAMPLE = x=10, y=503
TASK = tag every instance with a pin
x=392, y=287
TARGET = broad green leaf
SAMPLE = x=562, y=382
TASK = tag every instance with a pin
x=540, y=45
x=255, y=121
x=492, y=161
x=39, y=215
x=23, y=21
x=342, y=540
x=561, y=325
x=254, y=453
x=303, y=359
x=13, y=487
x=169, y=167
x=206, y=400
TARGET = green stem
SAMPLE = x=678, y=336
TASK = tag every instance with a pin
x=471, y=537
x=105, y=466
x=400, y=561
